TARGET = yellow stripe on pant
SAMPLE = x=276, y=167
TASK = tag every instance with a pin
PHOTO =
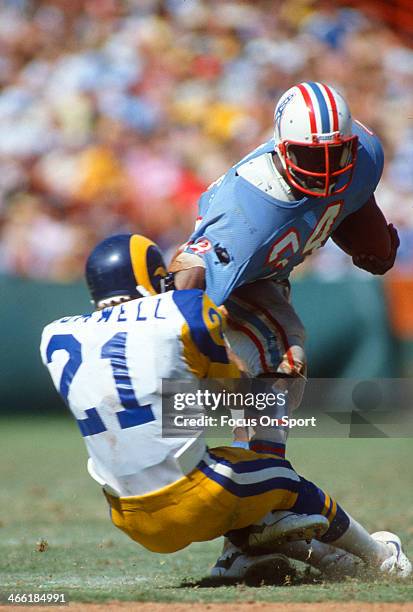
x=197, y=508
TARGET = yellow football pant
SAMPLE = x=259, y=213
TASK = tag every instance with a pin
x=230, y=488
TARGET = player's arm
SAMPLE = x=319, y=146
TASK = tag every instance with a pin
x=194, y=278
x=366, y=236
x=188, y=271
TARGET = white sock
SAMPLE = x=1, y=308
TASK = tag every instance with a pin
x=359, y=542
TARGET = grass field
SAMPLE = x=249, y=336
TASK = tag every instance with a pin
x=46, y=494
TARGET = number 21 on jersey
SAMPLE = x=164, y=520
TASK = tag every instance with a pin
x=132, y=413
x=289, y=243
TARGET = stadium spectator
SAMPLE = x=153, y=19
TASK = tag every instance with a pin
x=116, y=116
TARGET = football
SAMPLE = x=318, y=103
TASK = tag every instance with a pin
x=365, y=232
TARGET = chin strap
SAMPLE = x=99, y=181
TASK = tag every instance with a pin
x=168, y=283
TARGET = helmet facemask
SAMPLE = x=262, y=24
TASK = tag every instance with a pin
x=316, y=168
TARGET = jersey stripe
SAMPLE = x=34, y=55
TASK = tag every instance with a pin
x=274, y=474
x=322, y=104
x=310, y=106
x=268, y=447
x=333, y=106
x=327, y=505
x=249, y=490
x=250, y=465
x=190, y=304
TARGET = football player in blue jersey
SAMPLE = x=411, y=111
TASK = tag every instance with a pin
x=313, y=180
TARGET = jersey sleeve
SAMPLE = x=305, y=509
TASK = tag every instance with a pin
x=47, y=334
x=378, y=155
x=225, y=243
x=221, y=276
x=372, y=156
x=202, y=336
x=42, y=347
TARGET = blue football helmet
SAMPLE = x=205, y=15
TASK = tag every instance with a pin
x=124, y=267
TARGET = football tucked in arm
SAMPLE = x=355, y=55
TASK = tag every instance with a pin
x=368, y=239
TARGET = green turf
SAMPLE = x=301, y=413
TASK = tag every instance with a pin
x=47, y=494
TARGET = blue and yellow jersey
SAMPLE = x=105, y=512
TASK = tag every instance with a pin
x=202, y=335
x=109, y=366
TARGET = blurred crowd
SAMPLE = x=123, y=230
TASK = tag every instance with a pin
x=116, y=115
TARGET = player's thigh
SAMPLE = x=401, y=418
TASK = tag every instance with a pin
x=230, y=489
x=170, y=519
x=264, y=331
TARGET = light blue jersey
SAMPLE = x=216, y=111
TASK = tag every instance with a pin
x=246, y=234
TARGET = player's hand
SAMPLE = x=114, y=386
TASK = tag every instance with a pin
x=188, y=270
x=373, y=264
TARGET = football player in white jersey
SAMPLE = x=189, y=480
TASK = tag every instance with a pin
x=166, y=493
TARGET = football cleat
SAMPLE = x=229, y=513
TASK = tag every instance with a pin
x=332, y=562
x=397, y=564
x=340, y=565
x=236, y=566
x=282, y=526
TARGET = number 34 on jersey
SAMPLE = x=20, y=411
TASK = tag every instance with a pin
x=289, y=244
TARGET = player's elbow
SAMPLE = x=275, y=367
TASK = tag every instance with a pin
x=365, y=232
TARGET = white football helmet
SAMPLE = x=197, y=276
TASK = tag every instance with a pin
x=314, y=140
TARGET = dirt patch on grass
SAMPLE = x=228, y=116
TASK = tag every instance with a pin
x=247, y=606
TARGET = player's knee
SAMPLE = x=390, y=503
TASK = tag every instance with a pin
x=293, y=362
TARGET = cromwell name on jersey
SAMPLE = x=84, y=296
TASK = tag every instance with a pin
x=134, y=346
x=252, y=227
